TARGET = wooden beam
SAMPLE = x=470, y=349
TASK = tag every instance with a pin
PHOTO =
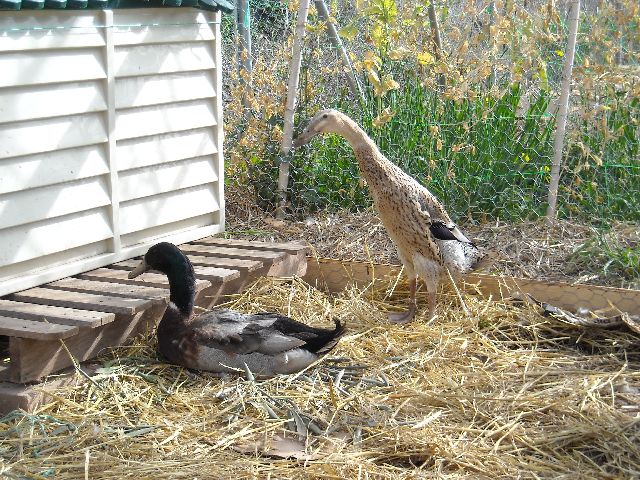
x=101, y=303
x=60, y=315
x=19, y=327
x=334, y=275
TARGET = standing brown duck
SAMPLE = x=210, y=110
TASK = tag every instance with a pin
x=426, y=238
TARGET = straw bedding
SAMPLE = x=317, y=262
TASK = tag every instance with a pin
x=490, y=389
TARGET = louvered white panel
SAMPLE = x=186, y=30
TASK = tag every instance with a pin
x=186, y=228
x=65, y=29
x=91, y=176
x=53, y=235
x=139, y=28
x=157, y=89
x=163, y=58
x=140, y=122
x=51, y=39
x=53, y=201
x=154, y=180
x=35, y=67
x=168, y=207
x=140, y=152
x=31, y=171
x=42, y=101
x=26, y=138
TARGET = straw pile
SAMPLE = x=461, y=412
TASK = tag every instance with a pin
x=490, y=389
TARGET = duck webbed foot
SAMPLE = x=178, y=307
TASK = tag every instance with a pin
x=403, y=317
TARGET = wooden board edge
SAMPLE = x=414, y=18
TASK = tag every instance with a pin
x=334, y=275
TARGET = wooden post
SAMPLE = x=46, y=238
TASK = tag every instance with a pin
x=492, y=22
x=435, y=31
x=563, y=108
x=292, y=90
x=354, y=85
x=244, y=34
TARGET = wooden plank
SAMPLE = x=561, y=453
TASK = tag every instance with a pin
x=110, y=288
x=244, y=266
x=159, y=119
x=53, y=235
x=21, y=328
x=264, y=256
x=53, y=201
x=292, y=248
x=169, y=147
x=139, y=214
x=52, y=134
x=43, y=169
x=33, y=359
x=139, y=60
x=37, y=67
x=142, y=27
x=334, y=275
x=146, y=279
x=212, y=274
x=167, y=88
x=154, y=180
x=61, y=315
x=51, y=100
x=101, y=303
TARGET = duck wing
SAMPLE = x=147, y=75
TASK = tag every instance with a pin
x=440, y=224
x=266, y=333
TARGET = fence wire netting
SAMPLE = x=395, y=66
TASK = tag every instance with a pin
x=473, y=120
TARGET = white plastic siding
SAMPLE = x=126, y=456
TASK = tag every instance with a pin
x=110, y=137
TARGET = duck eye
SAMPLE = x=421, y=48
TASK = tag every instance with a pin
x=325, y=116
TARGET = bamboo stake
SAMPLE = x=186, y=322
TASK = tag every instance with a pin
x=437, y=40
x=563, y=109
x=292, y=90
x=323, y=13
x=244, y=33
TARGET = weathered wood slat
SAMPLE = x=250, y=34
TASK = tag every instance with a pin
x=146, y=279
x=53, y=314
x=211, y=273
x=240, y=253
x=102, y=303
x=110, y=288
x=21, y=328
x=34, y=359
x=244, y=266
x=292, y=248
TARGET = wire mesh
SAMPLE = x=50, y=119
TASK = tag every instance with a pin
x=482, y=142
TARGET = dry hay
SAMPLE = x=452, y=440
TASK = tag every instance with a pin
x=499, y=391
x=567, y=251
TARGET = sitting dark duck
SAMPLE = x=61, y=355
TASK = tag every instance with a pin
x=225, y=340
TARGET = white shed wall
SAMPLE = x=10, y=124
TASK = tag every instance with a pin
x=110, y=137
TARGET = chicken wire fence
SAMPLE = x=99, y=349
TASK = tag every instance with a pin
x=474, y=120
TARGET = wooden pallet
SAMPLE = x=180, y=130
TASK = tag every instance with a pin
x=43, y=327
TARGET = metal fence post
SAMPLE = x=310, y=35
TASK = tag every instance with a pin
x=563, y=108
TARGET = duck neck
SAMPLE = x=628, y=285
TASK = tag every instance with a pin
x=355, y=135
x=182, y=287
x=365, y=150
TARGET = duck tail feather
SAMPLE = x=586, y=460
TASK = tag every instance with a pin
x=332, y=337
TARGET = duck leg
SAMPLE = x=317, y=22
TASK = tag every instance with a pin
x=409, y=315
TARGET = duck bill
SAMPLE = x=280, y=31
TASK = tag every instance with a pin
x=139, y=270
x=304, y=138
